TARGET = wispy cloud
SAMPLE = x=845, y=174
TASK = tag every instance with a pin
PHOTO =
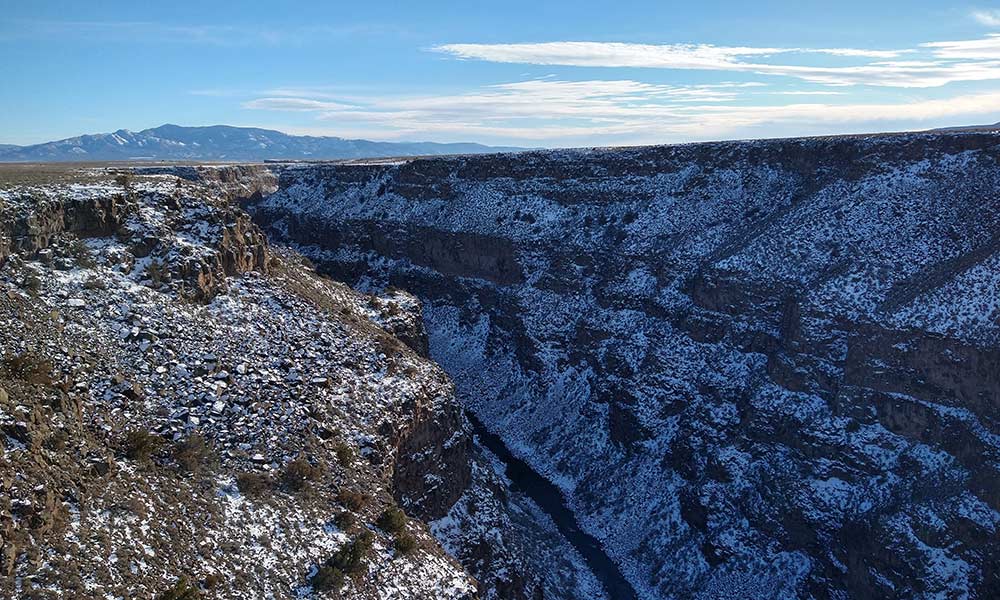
x=295, y=104
x=936, y=63
x=620, y=54
x=556, y=112
x=990, y=18
x=987, y=48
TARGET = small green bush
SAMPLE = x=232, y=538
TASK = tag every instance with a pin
x=350, y=557
x=212, y=581
x=345, y=456
x=392, y=520
x=33, y=284
x=182, y=590
x=405, y=543
x=327, y=579
x=348, y=560
x=345, y=520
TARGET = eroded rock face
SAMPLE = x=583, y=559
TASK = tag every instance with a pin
x=33, y=229
x=182, y=404
x=232, y=182
x=433, y=467
x=761, y=369
x=217, y=239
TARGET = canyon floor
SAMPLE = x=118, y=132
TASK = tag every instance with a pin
x=734, y=370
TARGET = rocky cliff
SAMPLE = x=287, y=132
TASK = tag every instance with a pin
x=188, y=411
x=755, y=369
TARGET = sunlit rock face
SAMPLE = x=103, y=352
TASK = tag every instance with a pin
x=756, y=369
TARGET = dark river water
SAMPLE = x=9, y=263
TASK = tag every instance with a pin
x=550, y=499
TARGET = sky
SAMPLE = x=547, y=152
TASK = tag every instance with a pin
x=527, y=73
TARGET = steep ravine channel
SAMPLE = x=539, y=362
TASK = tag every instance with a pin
x=542, y=492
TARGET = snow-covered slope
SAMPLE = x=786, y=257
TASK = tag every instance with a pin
x=188, y=412
x=756, y=369
x=186, y=408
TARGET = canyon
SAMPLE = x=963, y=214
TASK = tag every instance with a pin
x=763, y=369
x=754, y=369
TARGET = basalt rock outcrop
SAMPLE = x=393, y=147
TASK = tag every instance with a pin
x=231, y=244
x=756, y=369
x=32, y=229
x=188, y=411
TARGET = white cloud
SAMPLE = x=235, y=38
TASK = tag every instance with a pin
x=217, y=92
x=619, y=54
x=947, y=62
x=987, y=48
x=294, y=104
x=606, y=54
x=608, y=111
x=853, y=52
x=990, y=18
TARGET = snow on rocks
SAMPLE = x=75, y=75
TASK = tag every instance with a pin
x=181, y=406
x=784, y=351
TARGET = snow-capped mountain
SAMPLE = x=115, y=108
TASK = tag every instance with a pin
x=223, y=142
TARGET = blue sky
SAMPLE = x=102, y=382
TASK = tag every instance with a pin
x=528, y=73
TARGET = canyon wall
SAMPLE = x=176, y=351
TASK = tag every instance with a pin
x=755, y=369
x=189, y=411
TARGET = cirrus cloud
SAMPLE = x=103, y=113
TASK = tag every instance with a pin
x=936, y=63
x=295, y=104
x=563, y=112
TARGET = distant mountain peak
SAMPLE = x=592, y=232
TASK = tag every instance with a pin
x=223, y=142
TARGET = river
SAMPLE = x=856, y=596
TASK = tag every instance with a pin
x=551, y=500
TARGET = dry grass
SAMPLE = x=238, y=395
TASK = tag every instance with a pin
x=140, y=445
x=12, y=174
x=352, y=499
x=194, y=454
x=298, y=474
x=253, y=484
x=30, y=368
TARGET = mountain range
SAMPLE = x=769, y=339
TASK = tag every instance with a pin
x=223, y=142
